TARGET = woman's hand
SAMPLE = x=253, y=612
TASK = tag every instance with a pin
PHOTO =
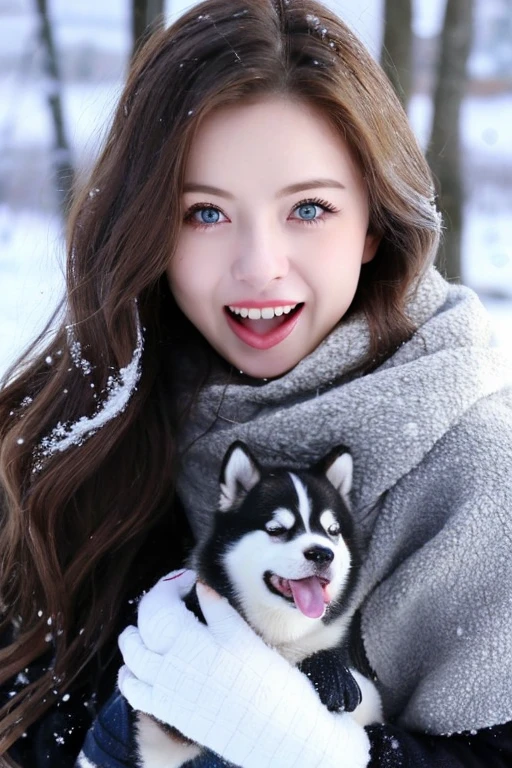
x=222, y=687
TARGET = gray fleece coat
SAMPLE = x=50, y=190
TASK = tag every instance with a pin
x=431, y=436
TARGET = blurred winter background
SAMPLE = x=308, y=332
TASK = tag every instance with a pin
x=93, y=44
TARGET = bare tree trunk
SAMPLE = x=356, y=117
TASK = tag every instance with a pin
x=146, y=14
x=62, y=165
x=396, y=54
x=444, y=147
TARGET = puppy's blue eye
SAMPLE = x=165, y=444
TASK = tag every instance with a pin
x=334, y=530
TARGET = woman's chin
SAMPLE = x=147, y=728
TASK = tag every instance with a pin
x=262, y=369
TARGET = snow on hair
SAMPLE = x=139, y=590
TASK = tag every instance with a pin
x=119, y=390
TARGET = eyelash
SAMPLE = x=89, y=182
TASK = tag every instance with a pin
x=327, y=208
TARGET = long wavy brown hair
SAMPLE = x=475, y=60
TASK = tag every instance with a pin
x=72, y=520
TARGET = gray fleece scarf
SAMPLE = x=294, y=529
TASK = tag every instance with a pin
x=430, y=432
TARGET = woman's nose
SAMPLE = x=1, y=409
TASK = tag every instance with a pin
x=261, y=258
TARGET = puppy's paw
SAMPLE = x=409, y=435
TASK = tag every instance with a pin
x=336, y=686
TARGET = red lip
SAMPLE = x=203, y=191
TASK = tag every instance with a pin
x=267, y=340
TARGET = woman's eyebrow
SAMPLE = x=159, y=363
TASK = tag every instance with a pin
x=299, y=186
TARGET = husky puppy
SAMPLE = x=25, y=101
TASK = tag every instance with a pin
x=281, y=549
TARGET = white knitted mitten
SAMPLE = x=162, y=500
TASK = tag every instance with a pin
x=222, y=687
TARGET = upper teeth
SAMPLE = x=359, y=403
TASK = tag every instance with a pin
x=267, y=313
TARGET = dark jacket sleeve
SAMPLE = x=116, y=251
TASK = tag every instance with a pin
x=55, y=739
x=392, y=747
x=110, y=741
x=109, y=745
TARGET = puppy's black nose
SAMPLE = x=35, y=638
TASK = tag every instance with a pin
x=320, y=555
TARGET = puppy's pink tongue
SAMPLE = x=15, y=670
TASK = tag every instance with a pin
x=308, y=595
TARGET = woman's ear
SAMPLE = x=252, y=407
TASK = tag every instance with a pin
x=371, y=243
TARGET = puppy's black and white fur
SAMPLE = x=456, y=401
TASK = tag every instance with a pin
x=281, y=549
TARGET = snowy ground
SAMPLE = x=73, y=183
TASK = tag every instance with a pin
x=31, y=250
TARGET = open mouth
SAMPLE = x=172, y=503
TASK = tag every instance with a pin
x=310, y=595
x=265, y=327
x=273, y=316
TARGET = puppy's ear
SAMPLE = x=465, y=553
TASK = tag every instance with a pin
x=240, y=472
x=337, y=466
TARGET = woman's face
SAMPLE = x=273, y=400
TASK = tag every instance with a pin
x=275, y=220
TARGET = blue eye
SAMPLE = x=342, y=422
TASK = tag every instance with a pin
x=313, y=211
x=203, y=215
x=208, y=215
x=308, y=211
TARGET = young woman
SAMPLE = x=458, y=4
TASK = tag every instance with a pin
x=252, y=259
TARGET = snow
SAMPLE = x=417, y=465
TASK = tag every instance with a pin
x=31, y=247
x=486, y=125
x=31, y=273
x=119, y=390
x=88, y=110
x=428, y=17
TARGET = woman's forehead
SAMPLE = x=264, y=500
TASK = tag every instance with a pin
x=274, y=142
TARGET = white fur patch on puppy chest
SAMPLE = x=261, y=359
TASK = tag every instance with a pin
x=369, y=710
x=158, y=749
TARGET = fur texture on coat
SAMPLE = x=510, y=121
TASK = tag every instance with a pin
x=430, y=431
